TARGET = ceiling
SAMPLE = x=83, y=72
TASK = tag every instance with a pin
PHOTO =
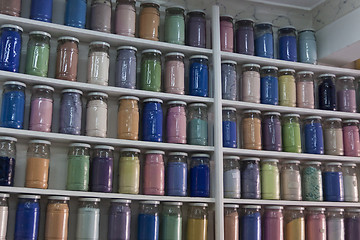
x=299, y=4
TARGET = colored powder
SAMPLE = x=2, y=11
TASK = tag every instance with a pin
x=171, y=227
x=229, y=81
x=176, y=124
x=176, y=179
x=4, y=212
x=307, y=47
x=7, y=171
x=175, y=76
x=148, y=227
x=232, y=183
x=67, y=60
x=87, y=226
x=200, y=181
x=270, y=181
x=199, y=78
x=351, y=192
x=57, y=217
x=312, y=184
x=333, y=184
x=305, y=94
x=352, y=228
x=129, y=175
x=152, y=122
x=70, y=113
x=269, y=90
x=245, y=40
x=75, y=13
x=250, y=181
x=197, y=229
x=335, y=229
x=11, y=7
x=295, y=229
x=287, y=48
x=271, y=133
x=290, y=184
x=197, y=132
x=10, y=49
x=78, y=174
x=346, y=100
x=226, y=35
x=154, y=175
x=150, y=79
x=41, y=114
x=37, y=59
x=119, y=222
x=27, y=220
x=37, y=172
x=316, y=227
x=101, y=16
x=41, y=10
x=273, y=225
x=101, y=177
x=174, y=29
x=351, y=141
x=96, y=118
x=251, y=129
x=251, y=86
x=149, y=22
x=327, y=96
x=264, y=45
x=231, y=226
x=229, y=134
x=251, y=226
x=314, y=142
x=196, y=31
x=125, y=71
x=125, y=19
x=12, y=109
x=98, y=68
x=287, y=91
x=128, y=119
x=334, y=142
x=291, y=137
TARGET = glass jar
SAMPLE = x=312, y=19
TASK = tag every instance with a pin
x=351, y=192
x=270, y=179
x=154, y=173
x=346, y=94
x=291, y=181
x=307, y=46
x=152, y=120
x=38, y=164
x=10, y=42
x=351, y=138
x=148, y=220
x=352, y=223
x=251, y=83
x=125, y=72
x=150, y=77
x=11, y=8
x=38, y=53
x=196, y=29
x=251, y=129
x=231, y=222
x=333, y=182
x=291, y=136
x=197, y=125
x=197, y=221
x=226, y=33
x=200, y=175
x=4, y=212
x=287, y=88
x=244, y=37
x=78, y=172
x=232, y=181
x=41, y=10
x=305, y=89
x=313, y=134
x=229, y=123
x=333, y=137
x=174, y=73
x=88, y=218
x=287, y=44
x=102, y=168
x=7, y=161
x=171, y=221
x=176, y=174
x=129, y=171
x=101, y=15
x=311, y=181
x=125, y=18
x=119, y=221
x=335, y=225
x=264, y=40
x=70, y=112
x=96, y=114
x=13, y=105
x=98, y=63
x=67, y=58
x=199, y=76
x=75, y=13
x=176, y=122
x=250, y=178
x=271, y=131
x=326, y=92
x=273, y=222
x=229, y=80
x=269, y=85
x=41, y=108
x=128, y=118
x=250, y=222
x=57, y=217
x=294, y=220
x=149, y=21
x=175, y=25
x=315, y=224
x=27, y=217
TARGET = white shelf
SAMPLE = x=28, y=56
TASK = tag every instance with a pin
x=282, y=109
x=53, y=192
x=65, y=138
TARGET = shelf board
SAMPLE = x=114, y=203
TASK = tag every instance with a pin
x=53, y=192
x=85, y=35
x=282, y=109
x=87, y=87
x=66, y=138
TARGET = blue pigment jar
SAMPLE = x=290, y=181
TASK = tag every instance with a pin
x=7, y=160
x=326, y=92
x=250, y=222
x=27, y=217
x=313, y=135
x=271, y=131
x=287, y=44
x=41, y=10
x=125, y=73
x=333, y=182
x=152, y=123
x=307, y=46
x=176, y=174
x=200, y=175
x=148, y=220
x=75, y=13
x=264, y=40
x=250, y=178
x=269, y=92
x=199, y=76
x=10, y=47
x=13, y=105
x=70, y=112
x=229, y=127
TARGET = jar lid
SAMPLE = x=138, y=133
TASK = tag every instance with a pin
x=44, y=87
x=292, y=115
x=150, y=202
x=12, y=26
x=287, y=70
x=61, y=198
x=353, y=210
x=197, y=105
x=5, y=138
x=271, y=113
x=120, y=201
x=291, y=162
x=4, y=195
x=251, y=111
x=251, y=65
x=335, y=209
x=155, y=152
x=197, y=10
x=229, y=109
x=307, y=29
x=173, y=203
x=89, y=199
x=250, y=159
x=269, y=67
x=200, y=155
x=346, y=77
x=127, y=47
x=313, y=117
x=199, y=56
x=227, y=15
x=68, y=38
x=130, y=150
x=231, y=157
x=229, y=62
x=153, y=100
x=349, y=164
x=327, y=75
x=40, y=33
x=295, y=208
x=231, y=206
x=305, y=72
x=104, y=147
x=245, y=19
x=177, y=102
x=333, y=119
x=351, y=121
x=100, y=43
x=316, y=209
x=40, y=142
x=252, y=206
x=151, y=2
x=287, y=27
x=198, y=204
x=151, y=51
x=178, y=154
x=14, y=83
x=174, y=54
x=264, y=23
x=129, y=97
x=29, y=196
x=270, y=160
x=333, y=164
x=84, y=145
x=98, y=94
x=72, y=91
x=274, y=207
x=312, y=163
x=176, y=6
